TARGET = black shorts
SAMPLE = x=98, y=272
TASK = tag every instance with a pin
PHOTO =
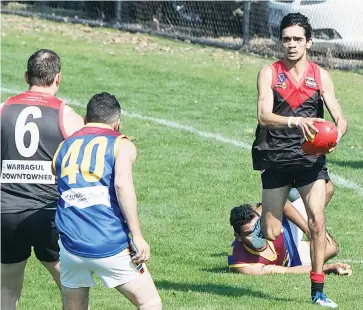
x=21, y=231
x=275, y=178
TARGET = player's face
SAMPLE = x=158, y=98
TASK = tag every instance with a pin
x=294, y=43
x=246, y=231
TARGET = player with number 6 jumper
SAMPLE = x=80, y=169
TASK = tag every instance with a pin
x=33, y=124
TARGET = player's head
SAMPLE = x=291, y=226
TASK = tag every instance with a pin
x=105, y=109
x=43, y=69
x=243, y=219
x=295, y=35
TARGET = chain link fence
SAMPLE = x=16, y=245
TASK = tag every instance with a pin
x=251, y=26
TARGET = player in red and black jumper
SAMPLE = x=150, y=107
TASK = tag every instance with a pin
x=291, y=97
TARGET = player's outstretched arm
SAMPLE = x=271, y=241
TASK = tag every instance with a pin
x=332, y=103
x=126, y=195
x=261, y=269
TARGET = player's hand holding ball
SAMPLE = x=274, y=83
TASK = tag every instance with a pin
x=324, y=139
x=308, y=125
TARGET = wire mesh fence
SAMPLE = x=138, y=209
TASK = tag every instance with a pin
x=241, y=25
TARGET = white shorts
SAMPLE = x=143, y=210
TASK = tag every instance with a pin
x=77, y=271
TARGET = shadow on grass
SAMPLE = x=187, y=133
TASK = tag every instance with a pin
x=349, y=164
x=217, y=269
x=222, y=290
x=219, y=254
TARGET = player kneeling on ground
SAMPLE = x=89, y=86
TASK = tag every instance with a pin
x=97, y=212
x=287, y=254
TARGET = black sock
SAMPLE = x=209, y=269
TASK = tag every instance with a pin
x=316, y=287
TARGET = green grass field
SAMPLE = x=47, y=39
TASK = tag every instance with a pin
x=187, y=181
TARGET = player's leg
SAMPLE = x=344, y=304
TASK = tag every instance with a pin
x=15, y=250
x=134, y=282
x=45, y=241
x=12, y=278
x=54, y=270
x=76, y=280
x=313, y=196
x=273, y=202
x=141, y=291
x=329, y=188
x=304, y=251
x=275, y=189
x=311, y=186
x=331, y=249
x=75, y=298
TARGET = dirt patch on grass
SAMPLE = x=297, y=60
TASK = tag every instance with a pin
x=141, y=43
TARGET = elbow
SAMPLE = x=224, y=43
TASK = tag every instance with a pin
x=263, y=120
x=118, y=186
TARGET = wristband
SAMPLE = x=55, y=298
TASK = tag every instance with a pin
x=289, y=122
x=298, y=121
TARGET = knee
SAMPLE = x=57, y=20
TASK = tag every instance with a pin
x=152, y=304
x=335, y=248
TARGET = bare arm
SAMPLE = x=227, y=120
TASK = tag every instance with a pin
x=54, y=170
x=72, y=121
x=331, y=102
x=126, y=195
x=261, y=269
x=265, y=102
x=294, y=216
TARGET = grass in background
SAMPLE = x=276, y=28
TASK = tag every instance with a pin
x=187, y=184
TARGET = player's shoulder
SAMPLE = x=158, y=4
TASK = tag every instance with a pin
x=265, y=72
x=125, y=146
x=125, y=143
x=326, y=79
x=324, y=73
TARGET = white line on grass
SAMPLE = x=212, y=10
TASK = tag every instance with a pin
x=207, y=135
x=218, y=137
x=349, y=261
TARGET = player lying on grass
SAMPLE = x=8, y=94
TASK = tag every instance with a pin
x=286, y=254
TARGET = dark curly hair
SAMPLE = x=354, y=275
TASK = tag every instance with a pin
x=293, y=19
x=241, y=215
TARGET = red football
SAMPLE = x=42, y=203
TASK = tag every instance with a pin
x=323, y=141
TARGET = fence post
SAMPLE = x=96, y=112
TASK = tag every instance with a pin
x=246, y=23
x=118, y=11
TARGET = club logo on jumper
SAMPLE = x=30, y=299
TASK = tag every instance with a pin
x=282, y=85
x=310, y=82
x=281, y=77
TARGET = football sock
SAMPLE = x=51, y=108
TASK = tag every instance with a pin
x=317, y=283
